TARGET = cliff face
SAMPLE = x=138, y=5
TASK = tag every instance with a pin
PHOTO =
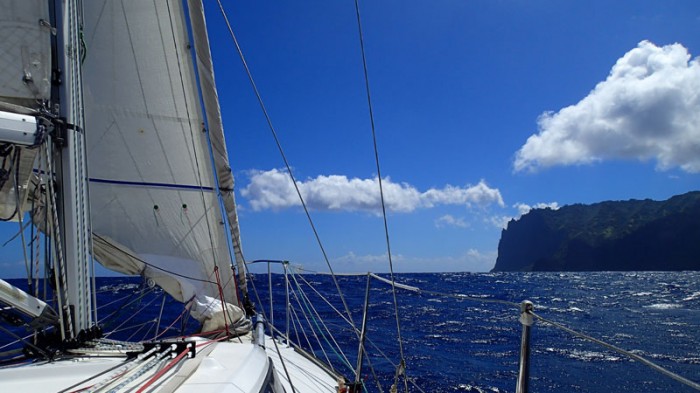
x=625, y=235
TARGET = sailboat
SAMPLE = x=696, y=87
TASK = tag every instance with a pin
x=113, y=150
x=119, y=98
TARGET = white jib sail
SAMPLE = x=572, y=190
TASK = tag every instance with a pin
x=153, y=192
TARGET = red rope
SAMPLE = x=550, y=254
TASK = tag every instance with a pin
x=172, y=324
x=163, y=370
x=221, y=296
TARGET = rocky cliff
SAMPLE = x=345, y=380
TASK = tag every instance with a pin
x=619, y=235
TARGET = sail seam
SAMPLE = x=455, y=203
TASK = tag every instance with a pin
x=154, y=184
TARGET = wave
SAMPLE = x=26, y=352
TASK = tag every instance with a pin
x=463, y=387
x=695, y=295
x=585, y=356
x=663, y=306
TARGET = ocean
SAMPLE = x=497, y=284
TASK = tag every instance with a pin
x=459, y=344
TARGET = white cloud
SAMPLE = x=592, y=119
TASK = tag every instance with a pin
x=470, y=261
x=522, y=208
x=274, y=190
x=525, y=208
x=647, y=108
x=499, y=221
x=450, y=221
x=376, y=260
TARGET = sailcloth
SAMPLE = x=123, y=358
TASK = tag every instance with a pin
x=157, y=160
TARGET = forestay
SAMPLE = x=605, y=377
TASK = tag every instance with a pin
x=153, y=182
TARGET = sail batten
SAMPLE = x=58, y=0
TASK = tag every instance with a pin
x=154, y=185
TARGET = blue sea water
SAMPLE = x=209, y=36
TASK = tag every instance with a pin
x=454, y=344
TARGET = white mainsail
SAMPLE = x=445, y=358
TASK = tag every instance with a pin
x=153, y=183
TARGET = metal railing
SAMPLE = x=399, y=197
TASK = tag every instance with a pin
x=527, y=318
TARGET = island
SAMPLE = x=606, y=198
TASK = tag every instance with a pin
x=633, y=235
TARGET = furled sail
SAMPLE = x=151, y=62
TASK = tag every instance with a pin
x=216, y=132
x=154, y=193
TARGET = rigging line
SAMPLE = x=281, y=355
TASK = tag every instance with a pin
x=364, y=348
x=294, y=315
x=325, y=300
x=141, y=294
x=284, y=158
x=211, y=117
x=627, y=353
x=383, y=355
x=131, y=317
x=140, y=327
x=114, y=301
x=27, y=342
x=313, y=331
x=194, y=147
x=20, y=339
x=55, y=229
x=160, y=315
x=182, y=314
x=165, y=369
x=303, y=333
x=269, y=325
x=223, y=302
x=68, y=389
x=316, y=317
x=381, y=190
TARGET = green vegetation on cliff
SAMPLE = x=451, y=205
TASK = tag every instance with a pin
x=620, y=235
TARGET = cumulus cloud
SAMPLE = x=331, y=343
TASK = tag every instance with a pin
x=274, y=190
x=501, y=221
x=525, y=208
x=369, y=259
x=471, y=260
x=647, y=108
x=450, y=221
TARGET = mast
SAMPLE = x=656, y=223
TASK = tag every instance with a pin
x=71, y=172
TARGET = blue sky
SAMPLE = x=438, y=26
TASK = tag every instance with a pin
x=483, y=109
x=458, y=87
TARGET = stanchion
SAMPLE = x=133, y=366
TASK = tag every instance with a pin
x=526, y=319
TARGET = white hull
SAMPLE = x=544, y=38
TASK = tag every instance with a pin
x=234, y=366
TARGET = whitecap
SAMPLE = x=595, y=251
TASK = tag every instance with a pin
x=694, y=296
x=663, y=306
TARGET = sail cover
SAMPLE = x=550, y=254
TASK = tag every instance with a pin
x=154, y=193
